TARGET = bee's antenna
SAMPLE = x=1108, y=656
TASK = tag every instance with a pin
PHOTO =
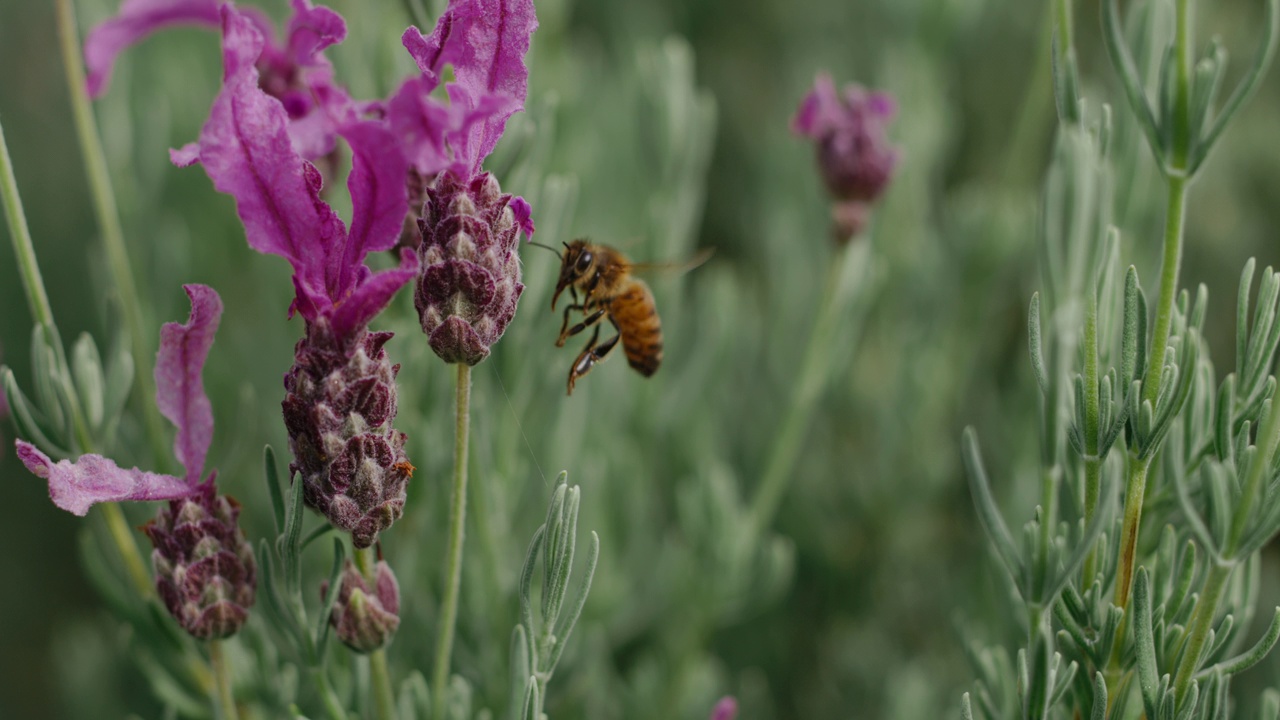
x=547, y=247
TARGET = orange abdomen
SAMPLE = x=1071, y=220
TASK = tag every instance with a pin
x=633, y=309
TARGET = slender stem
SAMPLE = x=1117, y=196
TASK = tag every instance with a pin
x=118, y=526
x=1064, y=25
x=1200, y=627
x=104, y=205
x=332, y=705
x=457, y=532
x=20, y=236
x=1182, y=87
x=844, y=275
x=1136, y=489
x=224, y=700
x=384, y=707
x=1175, y=221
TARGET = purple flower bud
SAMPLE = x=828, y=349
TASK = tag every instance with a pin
x=726, y=709
x=854, y=155
x=365, y=620
x=205, y=571
x=470, y=281
x=338, y=410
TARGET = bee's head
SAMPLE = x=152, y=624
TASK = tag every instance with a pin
x=576, y=262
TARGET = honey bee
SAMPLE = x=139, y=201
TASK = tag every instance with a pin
x=609, y=289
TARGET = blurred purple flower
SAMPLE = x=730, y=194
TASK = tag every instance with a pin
x=726, y=709
x=470, y=281
x=295, y=71
x=854, y=155
x=75, y=487
x=341, y=398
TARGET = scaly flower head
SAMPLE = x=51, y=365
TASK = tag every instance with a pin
x=854, y=155
x=294, y=71
x=365, y=618
x=470, y=281
x=205, y=572
x=341, y=397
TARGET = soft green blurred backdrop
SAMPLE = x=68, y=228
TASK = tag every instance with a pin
x=659, y=127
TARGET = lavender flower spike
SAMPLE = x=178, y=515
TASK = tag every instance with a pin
x=470, y=282
x=854, y=155
x=341, y=395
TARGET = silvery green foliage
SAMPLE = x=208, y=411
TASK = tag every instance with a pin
x=1203, y=447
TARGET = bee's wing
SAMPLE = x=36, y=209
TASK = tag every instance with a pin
x=701, y=257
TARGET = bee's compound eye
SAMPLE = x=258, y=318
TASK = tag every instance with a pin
x=584, y=261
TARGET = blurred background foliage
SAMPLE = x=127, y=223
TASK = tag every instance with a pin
x=659, y=127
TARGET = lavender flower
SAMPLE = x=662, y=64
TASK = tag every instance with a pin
x=341, y=397
x=470, y=281
x=854, y=155
x=294, y=72
x=726, y=709
x=365, y=619
x=205, y=571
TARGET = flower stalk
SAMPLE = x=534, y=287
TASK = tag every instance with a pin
x=380, y=676
x=224, y=700
x=104, y=205
x=457, y=533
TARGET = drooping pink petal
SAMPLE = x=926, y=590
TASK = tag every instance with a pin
x=819, y=109
x=311, y=30
x=136, y=20
x=378, y=194
x=179, y=388
x=471, y=137
x=422, y=124
x=523, y=215
x=246, y=151
x=75, y=487
x=372, y=295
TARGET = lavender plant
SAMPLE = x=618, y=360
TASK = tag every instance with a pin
x=1133, y=401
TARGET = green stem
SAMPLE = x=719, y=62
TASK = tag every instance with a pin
x=224, y=700
x=457, y=533
x=104, y=205
x=1175, y=221
x=332, y=705
x=844, y=274
x=384, y=706
x=20, y=236
x=1136, y=488
x=1200, y=627
x=42, y=314
x=1182, y=88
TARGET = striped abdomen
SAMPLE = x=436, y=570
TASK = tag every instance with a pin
x=637, y=318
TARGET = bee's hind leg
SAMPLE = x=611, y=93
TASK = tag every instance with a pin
x=591, y=355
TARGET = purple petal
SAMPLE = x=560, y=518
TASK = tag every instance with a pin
x=817, y=109
x=473, y=132
x=421, y=122
x=75, y=487
x=179, y=388
x=726, y=709
x=311, y=30
x=371, y=296
x=492, y=60
x=246, y=151
x=136, y=20
x=523, y=215
x=379, y=196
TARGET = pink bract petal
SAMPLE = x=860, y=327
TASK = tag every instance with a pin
x=311, y=30
x=378, y=194
x=179, y=388
x=75, y=487
x=136, y=20
x=523, y=215
x=372, y=295
x=246, y=150
x=818, y=109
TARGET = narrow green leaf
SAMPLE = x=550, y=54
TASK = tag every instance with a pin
x=1242, y=315
x=273, y=488
x=86, y=368
x=322, y=631
x=1099, y=697
x=966, y=710
x=520, y=669
x=27, y=419
x=988, y=512
x=564, y=627
x=1034, y=344
x=1122, y=60
x=1224, y=413
x=1242, y=93
x=1250, y=657
x=526, y=579
x=1144, y=643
